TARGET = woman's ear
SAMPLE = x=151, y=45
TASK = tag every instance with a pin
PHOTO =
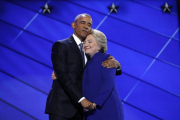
x=101, y=49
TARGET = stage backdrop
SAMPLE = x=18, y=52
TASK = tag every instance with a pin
x=143, y=38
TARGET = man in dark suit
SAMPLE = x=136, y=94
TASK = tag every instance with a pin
x=65, y=100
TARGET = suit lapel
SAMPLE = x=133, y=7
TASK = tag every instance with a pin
x=88, y=58
x=75, y=47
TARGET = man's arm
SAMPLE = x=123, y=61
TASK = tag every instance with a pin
x=86, y=104
x=111, y=62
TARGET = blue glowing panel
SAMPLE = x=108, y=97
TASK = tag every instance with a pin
x=158, y=3
x=133, y=37
x=164, y=76
x=34, y=47
x=8, y=33
x=15, y=15
x=7, y=112
x=68, y=11
x=27, y=44
x=50, y=29
x=147, y=17
x=171, y=53
x=124, y=84
x=132, y=62
x=177, y=35
x=136, y=34
x=37, y=48
x=23, y=97
x=31, y=72
x=155, y=101
x=96, y=5
x=31, y=5
x=131, y=113
x=60, y=12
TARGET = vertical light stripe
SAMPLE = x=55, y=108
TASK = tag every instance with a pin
x=27, y=24
x=151, y=64
x=160, y=52
x=131, y=91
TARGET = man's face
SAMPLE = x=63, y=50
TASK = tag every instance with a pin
x=82, y=27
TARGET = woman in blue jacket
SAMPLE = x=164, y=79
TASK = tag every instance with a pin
x=99, y=84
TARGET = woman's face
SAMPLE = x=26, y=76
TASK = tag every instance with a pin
x=90, y=45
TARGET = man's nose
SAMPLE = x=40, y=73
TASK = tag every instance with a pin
x=86, y=26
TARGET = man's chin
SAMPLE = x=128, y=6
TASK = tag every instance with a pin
x=83, y=37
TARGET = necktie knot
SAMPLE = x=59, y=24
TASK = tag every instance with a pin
x=81, y=46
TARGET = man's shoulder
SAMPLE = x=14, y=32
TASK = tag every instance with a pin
x=63, y=42
x=66, y=40
x=106, y=55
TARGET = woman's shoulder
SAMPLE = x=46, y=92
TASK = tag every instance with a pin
x=106, y=56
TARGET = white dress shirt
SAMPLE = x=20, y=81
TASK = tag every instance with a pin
x=78, y=41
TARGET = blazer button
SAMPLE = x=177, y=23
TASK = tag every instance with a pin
x=84, y=93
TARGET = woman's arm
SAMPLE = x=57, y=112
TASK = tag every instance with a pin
x=108, y=77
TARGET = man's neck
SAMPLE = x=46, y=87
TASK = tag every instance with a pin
x=77, y=40
x=81, y=39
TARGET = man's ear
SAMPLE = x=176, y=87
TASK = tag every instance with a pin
x=73, y=25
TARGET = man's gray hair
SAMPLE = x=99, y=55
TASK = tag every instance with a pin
x=83, y=14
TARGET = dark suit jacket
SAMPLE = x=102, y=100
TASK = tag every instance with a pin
x=66, y=91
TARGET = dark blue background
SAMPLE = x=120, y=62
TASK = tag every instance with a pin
x=140, y=36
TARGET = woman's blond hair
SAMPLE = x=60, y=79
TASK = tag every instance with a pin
x=101, y=39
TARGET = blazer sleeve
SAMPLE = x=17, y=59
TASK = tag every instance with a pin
x=108, y=76
x=59, y=57
x=118, y=72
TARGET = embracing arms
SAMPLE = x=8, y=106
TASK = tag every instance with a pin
x=59, y=57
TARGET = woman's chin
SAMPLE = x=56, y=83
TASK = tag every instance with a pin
x=87, y=53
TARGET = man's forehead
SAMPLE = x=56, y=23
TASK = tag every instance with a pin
x=84, y=18
x=83, y=15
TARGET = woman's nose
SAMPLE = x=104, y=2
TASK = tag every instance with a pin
x=84, y=45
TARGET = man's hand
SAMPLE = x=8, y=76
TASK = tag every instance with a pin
x=111, y=62
x=87, y=105
x=53, y=76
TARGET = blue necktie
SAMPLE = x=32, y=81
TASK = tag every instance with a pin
x=82, y=53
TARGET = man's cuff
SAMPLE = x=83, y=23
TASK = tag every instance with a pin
x=81, y=99
x=118, y=68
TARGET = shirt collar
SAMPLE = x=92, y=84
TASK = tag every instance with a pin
x=77, y=40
